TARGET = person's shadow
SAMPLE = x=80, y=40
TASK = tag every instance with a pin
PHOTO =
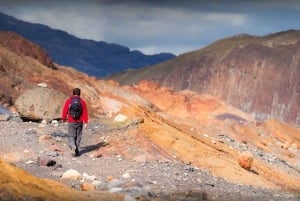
x=91, y=148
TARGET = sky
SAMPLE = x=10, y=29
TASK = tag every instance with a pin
x=155, y=26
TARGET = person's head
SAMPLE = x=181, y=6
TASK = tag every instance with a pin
x=76, y=91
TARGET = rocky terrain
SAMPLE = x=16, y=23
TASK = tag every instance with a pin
x=144, y=141
x=257, y=74
x=115, y=161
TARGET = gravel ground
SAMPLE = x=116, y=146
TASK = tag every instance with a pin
x=152, y=180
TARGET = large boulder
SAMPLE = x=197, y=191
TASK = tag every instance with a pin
x=40, y=103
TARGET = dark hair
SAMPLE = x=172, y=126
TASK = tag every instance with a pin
x=76, y=91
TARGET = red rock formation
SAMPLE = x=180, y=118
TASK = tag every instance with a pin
x=259, y=75
x=21, y=46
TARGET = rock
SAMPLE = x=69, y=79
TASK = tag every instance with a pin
x=4, y=117
x=129, y=198
x=88, y=178
x=43, y=123
x=96, y=182
x=71, y=174
x=141, y=158
x=115, y=183
x=126, y=175
x=245, y=160
x=54, y=123
x=44, y=85
x=120, y=118
x=115, y=190
x=109, y=178
x=87, y=187
x=44, y=138
x=29, y=162
x=43, y=161
x=96, y=154
x=40, y=103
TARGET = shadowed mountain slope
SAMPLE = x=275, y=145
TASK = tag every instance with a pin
x=92, y=57
x=259, y=75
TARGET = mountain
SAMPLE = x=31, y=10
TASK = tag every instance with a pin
x=95, y=58
x=176, y=143
x=259, y=75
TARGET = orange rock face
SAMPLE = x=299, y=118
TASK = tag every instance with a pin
x=259, y=75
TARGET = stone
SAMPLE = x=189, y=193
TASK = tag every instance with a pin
x=4, y=117
x=96, y=154
x=44, y=161
x=245, y=160
x=44, y=138
x=141, y=158
x=44, y=85
x=71, y=174
x=40, y=103
x=88, y=178
x=129, y=198
x=126, y=175
x=120, y=118
x=87, y=187
x=115, y=190
x=115, y=183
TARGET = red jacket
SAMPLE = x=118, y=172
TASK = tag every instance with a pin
x=84, y=115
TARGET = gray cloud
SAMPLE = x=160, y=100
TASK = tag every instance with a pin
x=159, y=26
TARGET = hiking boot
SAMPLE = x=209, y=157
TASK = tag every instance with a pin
x=77, y=153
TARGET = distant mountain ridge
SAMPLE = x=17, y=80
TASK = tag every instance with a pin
x=92, y=57
x=259, y=75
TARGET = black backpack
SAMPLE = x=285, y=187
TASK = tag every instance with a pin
x=75, y=108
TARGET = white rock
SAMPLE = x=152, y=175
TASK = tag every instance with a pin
x=87, y=177
x=126, y=175
x=44, y=85
x=115, y=190
x=29, y=162
x=54, y=123
x=129, y=198
x=120, y=118
x=71, y=174
x=96, y=182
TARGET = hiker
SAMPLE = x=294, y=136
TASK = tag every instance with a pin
x=75, y=111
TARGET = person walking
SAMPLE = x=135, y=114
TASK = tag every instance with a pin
x=75, y=112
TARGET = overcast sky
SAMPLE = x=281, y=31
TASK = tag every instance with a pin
x=155, y=26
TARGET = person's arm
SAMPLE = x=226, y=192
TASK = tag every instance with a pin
x=85, y=116
x=65, y=110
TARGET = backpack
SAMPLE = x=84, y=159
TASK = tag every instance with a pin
x=75, y=108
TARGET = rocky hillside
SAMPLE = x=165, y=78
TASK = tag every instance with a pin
x=145, y=137
x=96, y=58
x=259, y=75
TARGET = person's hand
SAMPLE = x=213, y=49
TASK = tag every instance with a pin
x=85, y=126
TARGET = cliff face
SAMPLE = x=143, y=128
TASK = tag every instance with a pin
x=259, y=75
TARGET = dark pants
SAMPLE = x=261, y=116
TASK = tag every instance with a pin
x=75, y=133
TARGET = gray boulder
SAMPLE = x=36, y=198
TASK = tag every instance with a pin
x=40, y=103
